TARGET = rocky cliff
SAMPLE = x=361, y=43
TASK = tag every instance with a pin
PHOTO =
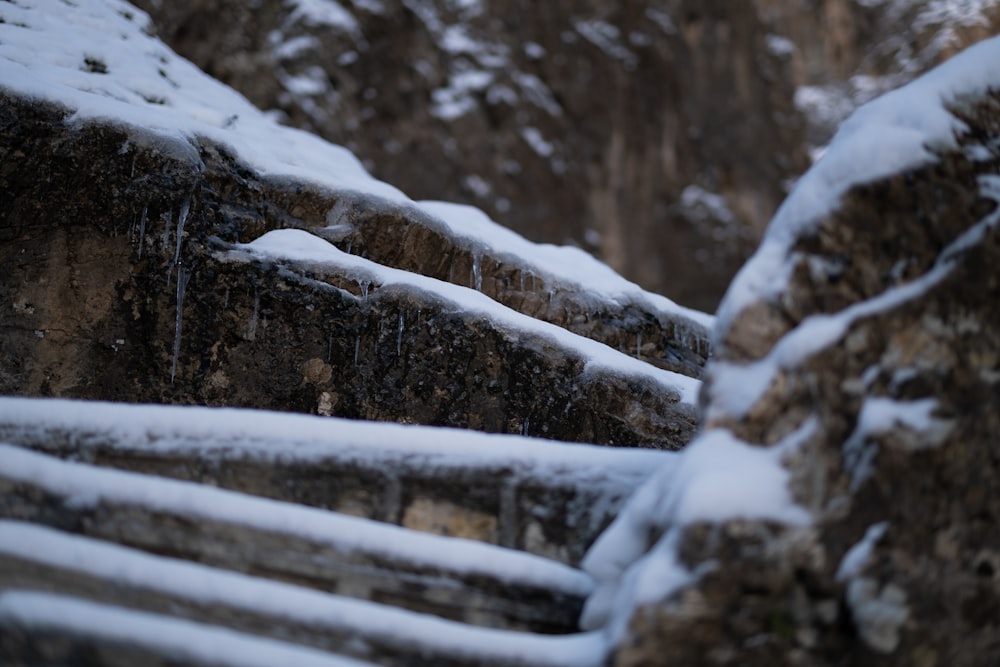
x=855, y=385
x=166, y=242
x=659, y=135
x=169, y=243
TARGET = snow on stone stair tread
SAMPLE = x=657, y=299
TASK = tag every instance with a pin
x=87, y=485
x=303, y=249
x=206, y=585
x=267, y=436
x=178, y=639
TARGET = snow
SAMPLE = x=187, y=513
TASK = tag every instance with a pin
x=715, y=478
x=736, y=387
x=565, y=265
x=662, y=20
x=305, y=249
x=158, y=96
x=534, y=137
x=536, y=92
x=779, y=46
x=204, y=585
x=287, y=437
x=857, y=557
x=323, y=13
x=164, y=100
x=86, y=486
x=898, y=131
x=607, y=38
x=458, y=98
x=184, y=641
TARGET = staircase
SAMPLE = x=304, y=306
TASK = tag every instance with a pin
x=161, y=535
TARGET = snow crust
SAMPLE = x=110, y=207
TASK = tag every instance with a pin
x=902, y=130
x=87, y=486
x=304, y=248
x=185, y=641
x=204, y=585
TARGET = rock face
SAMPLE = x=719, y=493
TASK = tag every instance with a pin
x=134, y=277
x=860, y=346
x=658, y=135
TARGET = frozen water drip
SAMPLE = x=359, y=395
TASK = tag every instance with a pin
x=399, y=334
x=182, y=280
x=477, y=271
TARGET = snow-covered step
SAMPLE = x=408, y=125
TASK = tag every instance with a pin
x=548, y=498
x=48, y=560
x=449, y=577
x=41, y=629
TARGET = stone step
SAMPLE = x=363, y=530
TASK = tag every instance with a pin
x=452, y=578
x=45, y=630
x=47, y=560
x=547, y=498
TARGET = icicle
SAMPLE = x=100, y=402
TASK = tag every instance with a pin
x=399, y=334
x=363, y=285
x=524, y=426
x=329, y=349
x=225, y=300
x=349, y=245
x=142, y=229
x=182, y=281
x=477, y=271
x=253, y=318
x=522, y=281
x=166, y=230
x=357, y=348
x=181, y=219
